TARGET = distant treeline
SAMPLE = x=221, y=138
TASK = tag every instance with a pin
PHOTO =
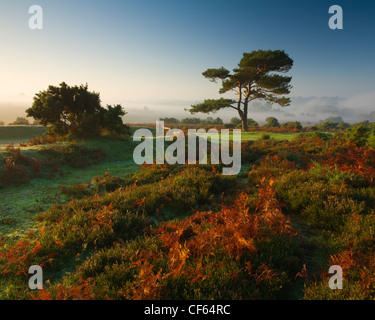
x=208, y=120
x=21, y=121
x=331, y=123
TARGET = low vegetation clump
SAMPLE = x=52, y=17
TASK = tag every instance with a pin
x=17, y=167
x=49, y=139
x=73, y=155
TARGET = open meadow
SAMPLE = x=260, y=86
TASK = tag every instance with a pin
x=18, y=134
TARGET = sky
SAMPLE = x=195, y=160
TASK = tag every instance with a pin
x=149, y=55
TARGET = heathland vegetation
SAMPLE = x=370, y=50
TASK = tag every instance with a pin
x=186, y=231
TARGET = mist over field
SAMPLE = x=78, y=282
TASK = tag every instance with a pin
x=307, y=110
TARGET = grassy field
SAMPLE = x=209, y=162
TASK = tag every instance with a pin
x=255, y=135
x=17, y=134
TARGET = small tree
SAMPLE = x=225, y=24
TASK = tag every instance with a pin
x=208, y=120
x=235, y=121
x=2, y=123
x=255, y=78
x=21, y=121
x=272, y=122
x=252, y=123
x=218, y=121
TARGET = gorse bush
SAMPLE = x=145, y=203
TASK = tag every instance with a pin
x=361, y=134
x=74, y=111
x=265, y=136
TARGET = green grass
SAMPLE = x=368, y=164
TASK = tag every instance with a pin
x=17, y=134
x=20, y=204
x=256, y=135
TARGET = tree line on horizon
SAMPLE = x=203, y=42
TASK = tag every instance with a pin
x=270, y=122
x=330, y=123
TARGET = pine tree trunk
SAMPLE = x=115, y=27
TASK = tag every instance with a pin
x=244, y=118
x=244, y=123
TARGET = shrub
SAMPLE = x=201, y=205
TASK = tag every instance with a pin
x=292, y=125
x=75, y=111
x=332, y=212
x=236, y=121
x=272, y=122
x=359, y=134
x=252, y=123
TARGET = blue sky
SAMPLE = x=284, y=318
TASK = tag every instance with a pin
x=155, y=50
